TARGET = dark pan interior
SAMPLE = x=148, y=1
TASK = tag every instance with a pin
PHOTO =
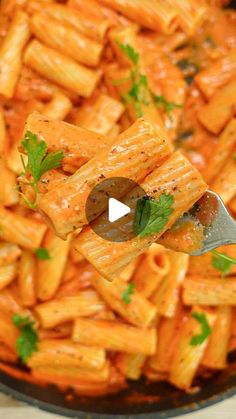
x=157, y=400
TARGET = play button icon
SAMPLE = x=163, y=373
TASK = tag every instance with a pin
x=116, y=210
x=118, y=197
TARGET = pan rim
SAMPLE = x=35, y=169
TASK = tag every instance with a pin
x=71, y=413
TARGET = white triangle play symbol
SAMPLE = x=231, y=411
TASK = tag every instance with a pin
x=116, y=210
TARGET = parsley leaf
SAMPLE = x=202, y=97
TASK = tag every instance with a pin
x=140, y=93
x=151, y=215
x=167, y=106
x=206, y=329
x=39, y=162
x=130, y=52
x=126, y=296
x=222, y=262
x=42, y=253
x=27, y=342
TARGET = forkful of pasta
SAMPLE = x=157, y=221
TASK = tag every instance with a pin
x=177, y=210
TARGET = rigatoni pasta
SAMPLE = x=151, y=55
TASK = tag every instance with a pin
x=114, y=336
x=61, y=69
x=126, y=156
x=180, y=176
x=90, y=90
x=56, y=35
x=11, y=51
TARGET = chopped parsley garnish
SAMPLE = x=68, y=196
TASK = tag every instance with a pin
x=222, y=262
x=151, y=215
x=140, y=93
x=126, y=296
x=130, y=52
x=205, y=332
x=27, y=342
x=42, y=253
x=160, y=101
x=39, y=162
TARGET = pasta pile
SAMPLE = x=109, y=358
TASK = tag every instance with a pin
x=114, y=88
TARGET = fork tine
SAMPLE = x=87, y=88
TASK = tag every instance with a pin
x=219, y=226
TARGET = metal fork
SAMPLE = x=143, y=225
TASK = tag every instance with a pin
x=219, y=226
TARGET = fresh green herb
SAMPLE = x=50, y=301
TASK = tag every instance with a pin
x=130, y=52
x=151, y=215
x=167, y=106
x=126, y=296
x=42, y=253
x=27, y=342
x=39, y=162
x=205, y=332
x=222, y=262
x=140, y=93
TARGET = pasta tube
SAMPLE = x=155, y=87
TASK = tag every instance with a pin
x=166, y=298
x=78, y=144
x=167, y=335
x=60, y=69
x=232, y=204
x=215, y=115
x=151, y=270
x=8, y=253
x=217, y=349
x=155, y=15
x=209, y=291
x=176, y=177
x=66, y=40
x=74, y=374
x=65, y=206
x=114, y=383
x=202, y=265
x=224, y=184
x=65, y=309
x=7, y=274
x=25, y=232
x=139, y=312
x=187, y=358
x=87, y=25
x=114, y=336
x=2, y=133
x=58, y=107
x=11, y=53
x=217, y=74
x=187, y=236
x=131, y=365
x=8, y=193
x=8, y=332
x=223, y=150
x=52, y=268
x=64, y=353
x=190, y=14
x=101, y=116
x=26, y=279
